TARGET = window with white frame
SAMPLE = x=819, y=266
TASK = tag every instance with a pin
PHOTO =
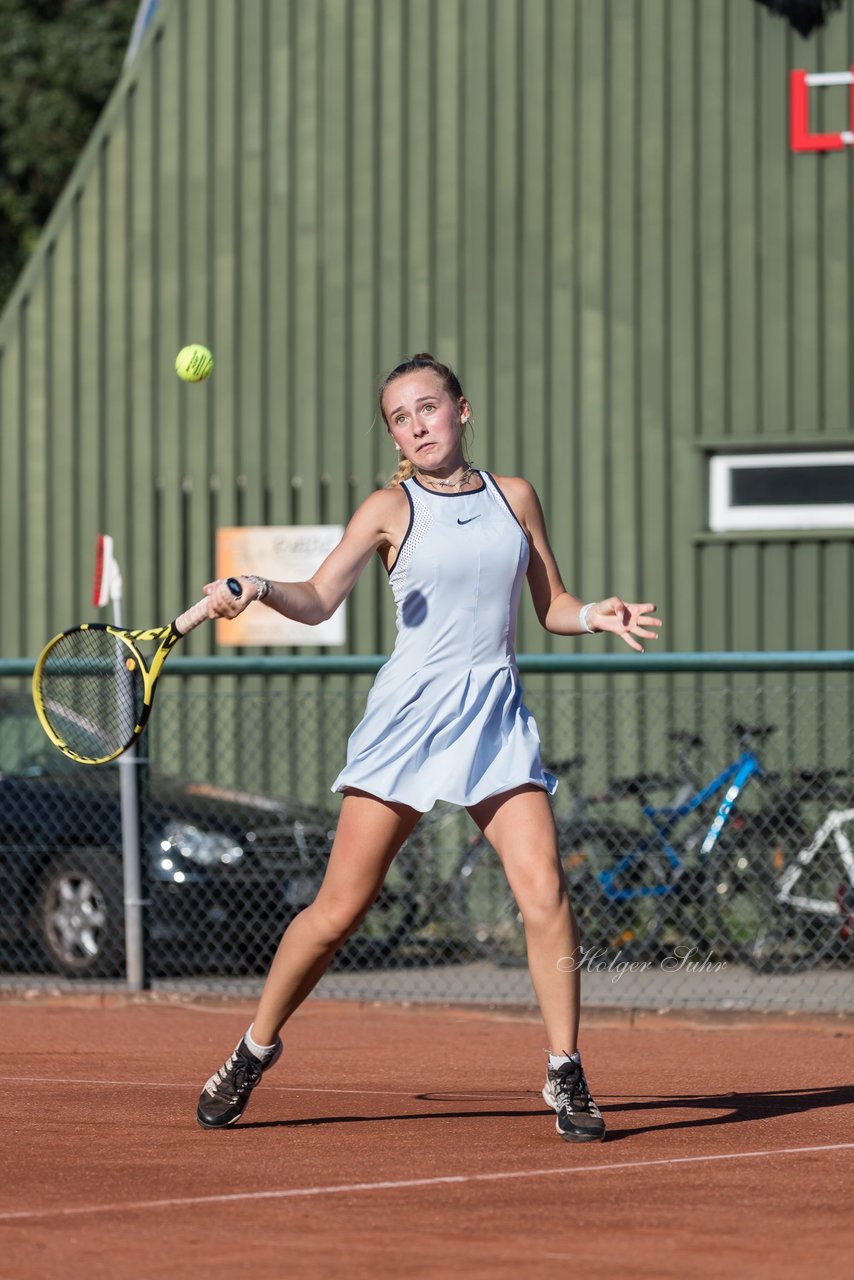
x=781, y=490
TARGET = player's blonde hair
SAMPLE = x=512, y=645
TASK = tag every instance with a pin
x=450, y=381
x=405, y=471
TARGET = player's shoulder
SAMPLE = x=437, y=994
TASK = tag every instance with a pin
x=523, y=500
x=389, y=498
x=516, y=489
x=382, y=506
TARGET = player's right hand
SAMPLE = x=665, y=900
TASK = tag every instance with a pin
x=222, y=604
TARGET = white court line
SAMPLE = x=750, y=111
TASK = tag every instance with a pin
x=351, y=1188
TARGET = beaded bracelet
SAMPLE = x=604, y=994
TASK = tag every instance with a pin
x=262, y=585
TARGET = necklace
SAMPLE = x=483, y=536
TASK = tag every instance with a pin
x=457, y=483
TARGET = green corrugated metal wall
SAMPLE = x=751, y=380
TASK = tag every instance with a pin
x=589, y=206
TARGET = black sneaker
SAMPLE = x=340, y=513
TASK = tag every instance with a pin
x=223, y=1099
x=578, y=1117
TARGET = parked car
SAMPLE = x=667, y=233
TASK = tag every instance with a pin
x=224, y=870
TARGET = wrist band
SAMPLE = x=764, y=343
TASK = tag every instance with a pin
x=262, y=585
x=582, y=617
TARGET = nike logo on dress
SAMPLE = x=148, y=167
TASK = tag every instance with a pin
x=459, y=521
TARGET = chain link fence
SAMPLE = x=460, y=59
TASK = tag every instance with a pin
x=705, y=829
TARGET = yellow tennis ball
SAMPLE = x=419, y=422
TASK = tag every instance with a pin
x=193, y=363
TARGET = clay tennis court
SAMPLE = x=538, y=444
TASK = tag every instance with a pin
x=396, y=1141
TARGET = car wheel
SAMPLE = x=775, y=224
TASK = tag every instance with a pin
x=79, y=919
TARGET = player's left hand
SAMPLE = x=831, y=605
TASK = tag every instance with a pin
x=625, y=620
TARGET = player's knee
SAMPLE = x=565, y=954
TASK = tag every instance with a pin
x=542, y=897
x=335, y=922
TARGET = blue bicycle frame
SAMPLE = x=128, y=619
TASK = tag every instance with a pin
x=663, y=818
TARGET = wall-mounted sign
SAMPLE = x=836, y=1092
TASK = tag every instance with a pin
x=288, y=553
x=801, y=137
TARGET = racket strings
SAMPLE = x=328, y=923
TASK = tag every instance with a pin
x=93, y=692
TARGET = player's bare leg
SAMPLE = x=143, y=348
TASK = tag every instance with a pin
x=369, y=834
x=520, y=827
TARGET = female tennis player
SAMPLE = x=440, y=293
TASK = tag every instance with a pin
x=445, y=719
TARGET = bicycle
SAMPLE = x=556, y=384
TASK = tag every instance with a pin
x=668, y=876
x=631, y=889
x=784, y=905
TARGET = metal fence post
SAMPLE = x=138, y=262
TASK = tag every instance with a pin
x=136, y=976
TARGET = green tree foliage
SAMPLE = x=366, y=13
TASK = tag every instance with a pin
x=59, y=61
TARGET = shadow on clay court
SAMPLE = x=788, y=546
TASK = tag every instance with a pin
x=735, y=1108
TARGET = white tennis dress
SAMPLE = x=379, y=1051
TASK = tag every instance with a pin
x=445, y=718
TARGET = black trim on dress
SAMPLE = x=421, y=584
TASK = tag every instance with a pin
x=390, y=568
x=503, y=498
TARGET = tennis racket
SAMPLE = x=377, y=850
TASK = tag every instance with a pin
x=93, y=690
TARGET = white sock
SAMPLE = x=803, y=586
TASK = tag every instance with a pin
x=260, y=1051
x=560, y=1059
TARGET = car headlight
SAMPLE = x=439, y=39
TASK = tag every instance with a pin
x=205, y=848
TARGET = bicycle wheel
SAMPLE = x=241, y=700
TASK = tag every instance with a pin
x=488, y=910
x=486, y=907
x=761, y=925
x=647, y=907
x=586, y=848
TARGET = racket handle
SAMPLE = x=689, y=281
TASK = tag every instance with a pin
x=198, y=612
